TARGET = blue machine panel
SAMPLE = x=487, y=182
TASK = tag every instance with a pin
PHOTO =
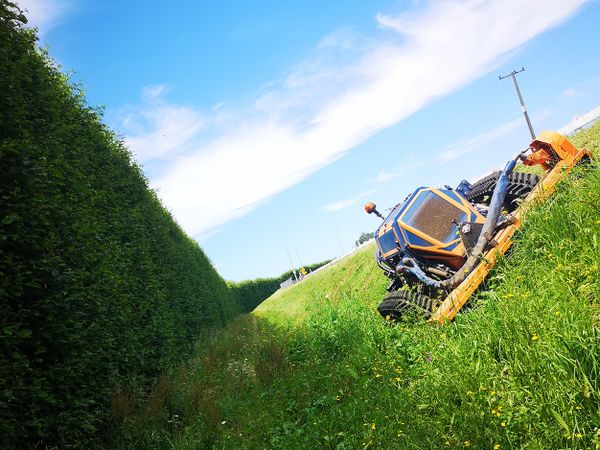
x=387, y=241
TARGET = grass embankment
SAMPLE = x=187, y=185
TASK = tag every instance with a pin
x=249, y=294
x=315, y=366
x=355, y=275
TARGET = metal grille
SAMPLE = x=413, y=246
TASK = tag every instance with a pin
x=433, y=216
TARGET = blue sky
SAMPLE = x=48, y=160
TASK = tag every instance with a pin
x=266, y=125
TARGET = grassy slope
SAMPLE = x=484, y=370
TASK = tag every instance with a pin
x=356, y=275
x=316, y=366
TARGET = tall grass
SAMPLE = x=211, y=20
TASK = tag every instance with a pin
x=315, y=366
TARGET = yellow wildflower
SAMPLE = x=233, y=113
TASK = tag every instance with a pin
x=579, y=435
x=373, y=426
x=502, y=424
x=534, y=337
x=496, y=447
x=467, y=443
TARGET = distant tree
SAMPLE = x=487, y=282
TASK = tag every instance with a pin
x=364, y=237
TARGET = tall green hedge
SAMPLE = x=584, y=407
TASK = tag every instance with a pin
x=99, y=287
x=251, y=293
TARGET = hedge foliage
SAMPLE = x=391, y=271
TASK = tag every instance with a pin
x=251, y=293
x=99, y=287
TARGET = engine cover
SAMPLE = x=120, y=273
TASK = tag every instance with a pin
x=426, y=226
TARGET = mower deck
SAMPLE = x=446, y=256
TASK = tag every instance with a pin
x=503, y=239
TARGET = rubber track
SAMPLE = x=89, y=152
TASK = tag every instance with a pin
x=520, y=184
x=394, y=303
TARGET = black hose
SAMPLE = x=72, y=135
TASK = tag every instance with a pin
x=410, y=265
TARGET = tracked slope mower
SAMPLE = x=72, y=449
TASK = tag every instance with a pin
x=439, y=244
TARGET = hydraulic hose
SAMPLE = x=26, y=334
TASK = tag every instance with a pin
x=410, y=265
x=389, y=272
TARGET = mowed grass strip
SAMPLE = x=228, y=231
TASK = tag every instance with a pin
x=315, y=366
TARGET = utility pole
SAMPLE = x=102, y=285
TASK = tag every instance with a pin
x=289, y=258
x=512, y=74
x=297, y=253
x=339, y=239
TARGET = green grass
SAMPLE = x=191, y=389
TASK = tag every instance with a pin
x=355, y=275
x=315, y=366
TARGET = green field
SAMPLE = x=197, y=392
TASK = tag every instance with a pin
x=315, y=366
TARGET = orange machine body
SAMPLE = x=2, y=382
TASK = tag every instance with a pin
x=557, y=156
x=550, y=147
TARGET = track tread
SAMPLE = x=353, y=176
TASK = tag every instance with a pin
x=519, y=186
x=397, y=302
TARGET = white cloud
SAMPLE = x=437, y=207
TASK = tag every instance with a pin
x=154, y=92
x=349, y=88
x=43, y=14
x=572, y=92
x=467, y=146
x=159, y=129
x=341, y=204
x=451, y=152
x=458, y=149
x=411, y=162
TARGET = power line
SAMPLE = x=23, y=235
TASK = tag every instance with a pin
x=487, y=101
x=540, y=47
